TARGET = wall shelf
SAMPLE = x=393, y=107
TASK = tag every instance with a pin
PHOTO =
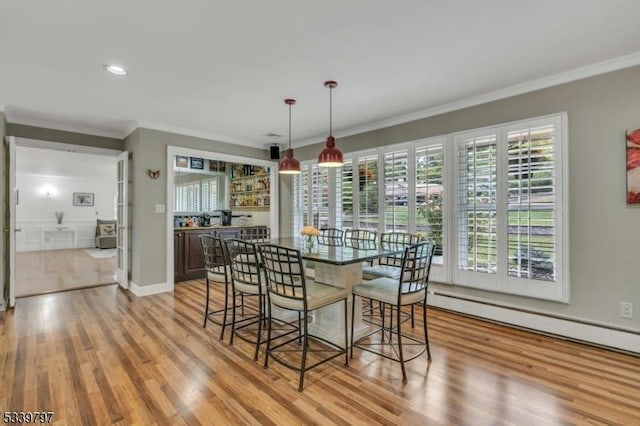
x=250, y=191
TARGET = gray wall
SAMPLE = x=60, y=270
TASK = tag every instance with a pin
x=149, y=234
x=4, y=217
x=604, y=231
x=53, y=135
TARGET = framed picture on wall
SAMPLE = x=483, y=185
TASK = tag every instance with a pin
x=633, y=166
x=182, y=161
x=83, y=199
x=197, y=163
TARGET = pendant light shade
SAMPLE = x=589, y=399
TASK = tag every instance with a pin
x=330, y=156
x=289, y=165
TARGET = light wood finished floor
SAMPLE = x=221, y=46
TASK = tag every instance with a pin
x=46, y=271
x=101, y=356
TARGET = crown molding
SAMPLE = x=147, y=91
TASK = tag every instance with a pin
x=518, y=89
x=195, y=133
x=131, y=128
x=65, y=127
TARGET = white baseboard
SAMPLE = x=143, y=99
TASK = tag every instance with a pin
x=589, y=333
x=148, y=290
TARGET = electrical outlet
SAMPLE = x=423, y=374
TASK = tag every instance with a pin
x=626, y=310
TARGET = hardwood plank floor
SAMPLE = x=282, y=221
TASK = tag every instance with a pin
x=47, y=271
x=101, y=356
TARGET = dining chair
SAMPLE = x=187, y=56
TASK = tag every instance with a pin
x=389, y=266
x=256, y=234
x=246, y=280
x=330, y=237
x=408, y=289
x=361, y=239
x=216, y=265
x=289, y=289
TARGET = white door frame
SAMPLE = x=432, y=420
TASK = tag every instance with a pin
x=12, y=221
x=172, y=151
x=43, y=144
x=122, y=211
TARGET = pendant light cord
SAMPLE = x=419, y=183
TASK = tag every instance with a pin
x=330, y=111
x=289, y=126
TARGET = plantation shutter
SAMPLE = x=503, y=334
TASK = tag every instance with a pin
x=368, y=217
x=319, y=196
x=344, y=196
x=477, y=207
x=301, y=200
x=396, y=191
x=429, y=195
x=531, y=203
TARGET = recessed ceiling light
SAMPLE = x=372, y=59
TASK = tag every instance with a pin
x=115, y=69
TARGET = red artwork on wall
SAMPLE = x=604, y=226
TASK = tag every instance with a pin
x=633, y=166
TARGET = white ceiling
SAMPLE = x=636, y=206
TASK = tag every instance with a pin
x=221, y=69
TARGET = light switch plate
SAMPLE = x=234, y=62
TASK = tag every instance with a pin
x=159, y=208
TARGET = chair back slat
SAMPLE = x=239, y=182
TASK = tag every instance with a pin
x=214, y=254
x=416, y=265
x=244, y=260
x=330, y=237
x=284, y=271
x=361, y=239
x=395, y=241
x=256, y=235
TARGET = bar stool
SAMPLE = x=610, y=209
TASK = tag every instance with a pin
x=246, y=279
x=408, y=289
x=216, y=264
x=288, y=288
x=330, y=237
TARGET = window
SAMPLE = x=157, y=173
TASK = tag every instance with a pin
x=368, y=217
x=396, y=191
x=311, y=197
x=196, y=196
x=477, y=184
x=301, y=200
x=429, y=195
x=492, y=199
x=509, y=209
x=345, y=213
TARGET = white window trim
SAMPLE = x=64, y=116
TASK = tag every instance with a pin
x=558, y=290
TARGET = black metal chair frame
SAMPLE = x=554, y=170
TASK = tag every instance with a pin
x=414, y=278
x=256, y=235
x=286, y=279
x=361, y=239
x=395, y=240
x=392, y=241
x=330, y=237
x=216, y=262
x=246, y=272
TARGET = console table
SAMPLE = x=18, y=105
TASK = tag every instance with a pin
x=56, y=231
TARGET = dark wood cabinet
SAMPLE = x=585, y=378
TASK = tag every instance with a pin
x=188, y=262
x=193, y=260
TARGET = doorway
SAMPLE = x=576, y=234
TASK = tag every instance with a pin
x=61, y=192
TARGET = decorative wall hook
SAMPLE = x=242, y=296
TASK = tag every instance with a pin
x=153, y=174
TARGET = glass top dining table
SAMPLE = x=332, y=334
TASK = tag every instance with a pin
x=340, y=267
x=334, y=255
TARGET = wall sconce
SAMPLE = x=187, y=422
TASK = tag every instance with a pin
x=48, y=191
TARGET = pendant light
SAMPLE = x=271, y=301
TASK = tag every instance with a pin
x=330, y=156
x=289, y=165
